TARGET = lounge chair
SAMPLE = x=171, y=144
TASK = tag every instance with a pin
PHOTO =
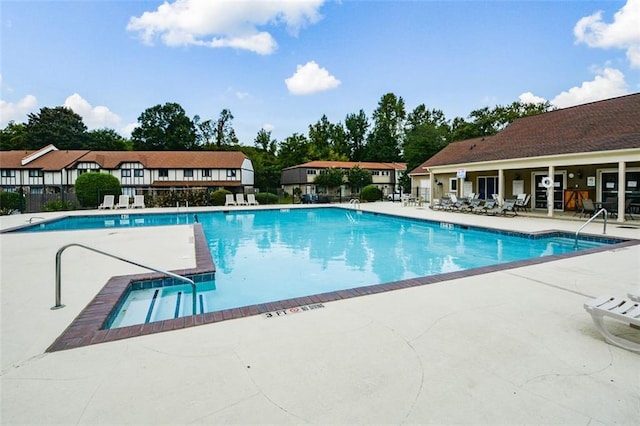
x=107, y=203
x=489, y=207
x=588, y=208
x=617, y=308
x=229, y=201
x=634, y=295
x=521, y=201
x=473, y=204
x=240, y=199
x=123, y=202
x=138, y=202
x=251, y=200
x=509, y=206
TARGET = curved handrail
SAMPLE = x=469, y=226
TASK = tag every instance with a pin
x=59, y=304
x=604, y=231
x=354, y=203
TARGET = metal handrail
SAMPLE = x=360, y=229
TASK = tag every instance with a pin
x=604, y=231
x=59, y=304
x=354, y=203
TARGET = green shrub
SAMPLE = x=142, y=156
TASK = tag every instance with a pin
x=218, y=198
x=371, y=193
x=92, y=187
x=195, y=198
x=10, y=201
x=266, y=198
x=56, y=206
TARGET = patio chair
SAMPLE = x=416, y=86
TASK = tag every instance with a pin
x=509, y=206
x=123, y=202
x=634, y=295
x=617, y=308
x=229, y=201
x=138, y=202
x=240, y=199
x=107, y=202
x=251, y=200
x=588, y=208
x=490, y=207
x=521, y=201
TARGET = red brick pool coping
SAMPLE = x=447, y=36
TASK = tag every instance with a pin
x=87, y=328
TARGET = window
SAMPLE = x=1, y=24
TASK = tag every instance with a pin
x=206, y=172
x=188, y=173
x=138, y=173
x=375, y=173
x=163, y=173
x=8, y=173
x=231, y=173
x=126, y=172
x=36, y=173
x=453, y=185
x=311, y=172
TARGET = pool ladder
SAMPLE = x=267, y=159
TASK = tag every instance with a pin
x=354, y=203
x=59, y=304
x=591, y=219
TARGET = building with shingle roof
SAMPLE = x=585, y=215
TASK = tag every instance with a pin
x=139, y=172
x=385, y=176
x=586, y=151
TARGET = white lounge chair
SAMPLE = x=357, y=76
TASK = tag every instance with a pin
x=107, y=202
x=617, y=308
x=240, y=199
x=251, y=200
x=229, y=200
x=634, y=295
x=138, y=202
x=123, y=202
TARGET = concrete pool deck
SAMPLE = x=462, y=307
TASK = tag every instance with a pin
x=512, y=346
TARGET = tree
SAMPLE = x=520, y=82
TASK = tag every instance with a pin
x=204, y=131
x=59, y=126
x=294, y=150
x=264, y=142
x=91, y=188
x=385, y=139
x=266, y=165
x=223, y=131
x=164, y=128
x=356, y=132
x=13, y=136
x=426, y=133
x=358, y=178
x=330, y=178
x=105, y=140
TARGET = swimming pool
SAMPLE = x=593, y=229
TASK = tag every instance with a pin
x=268, y=255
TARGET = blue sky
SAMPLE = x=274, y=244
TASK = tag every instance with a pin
x=281, y=65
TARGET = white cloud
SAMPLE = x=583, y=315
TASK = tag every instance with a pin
x=530, y=98
x=609, y=83
x=94, y=117
x=127, y=129
x=17, y=111
x=242, y=95
x=224, y=23
x=622, y=33
x=268, y=127
x=310, y=78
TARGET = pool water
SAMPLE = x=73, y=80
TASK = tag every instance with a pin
x=268, y=255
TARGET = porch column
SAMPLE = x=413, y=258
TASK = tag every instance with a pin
x=432, y=187
x=550, y=173
x=501, y=185
x=622, y=185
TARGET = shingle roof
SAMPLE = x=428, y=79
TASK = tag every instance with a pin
x=57, y=160
x=608, y=125
x=168, y=159
x=321, y=164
